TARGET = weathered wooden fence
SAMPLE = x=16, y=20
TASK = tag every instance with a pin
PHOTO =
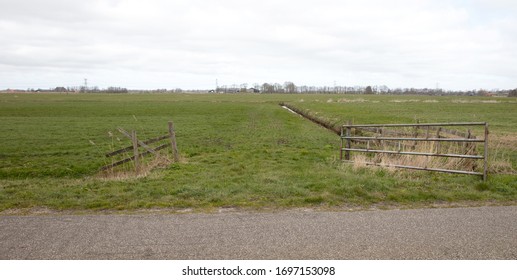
x=384, y=139
x=146, y=145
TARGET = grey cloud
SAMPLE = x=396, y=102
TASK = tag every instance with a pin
x=312, y=42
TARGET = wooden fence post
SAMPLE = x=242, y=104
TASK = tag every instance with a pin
x=415, y=134
x=174, y=146
x=438, y=145
x=134, y=139
x=468, y=146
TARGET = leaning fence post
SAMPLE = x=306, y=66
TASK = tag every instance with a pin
x=172, y=135
x=134, y=139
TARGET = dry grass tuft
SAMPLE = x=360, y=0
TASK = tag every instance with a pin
x=499, y=159
x=499, y=154
x=428, y=161
x=360, y=161
x=128, y=171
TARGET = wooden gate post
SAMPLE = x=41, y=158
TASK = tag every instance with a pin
x=174, y=146
x=341, y=149
x=348, y=140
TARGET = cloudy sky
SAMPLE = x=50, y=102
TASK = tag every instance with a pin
x=457, y=44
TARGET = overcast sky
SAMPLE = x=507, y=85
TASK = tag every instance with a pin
x=189, y=44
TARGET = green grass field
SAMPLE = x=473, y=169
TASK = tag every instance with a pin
x=240, y=151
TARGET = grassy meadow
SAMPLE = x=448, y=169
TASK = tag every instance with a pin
x=241, y=151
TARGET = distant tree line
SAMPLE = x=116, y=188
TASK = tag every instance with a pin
x=291, y=88
x=82, y=89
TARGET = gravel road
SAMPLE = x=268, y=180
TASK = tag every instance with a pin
x=452, y=233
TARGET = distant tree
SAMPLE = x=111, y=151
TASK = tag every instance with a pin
x=482, y=92
x=384, y=89
x=512, y=93
x=116, y=90
x=368, y=90
x=289, y=87
x=268, y=88
x=278, y=88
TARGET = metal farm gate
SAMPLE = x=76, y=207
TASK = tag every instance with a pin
x=379, y=142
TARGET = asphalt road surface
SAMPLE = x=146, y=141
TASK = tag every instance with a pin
x=455, y=233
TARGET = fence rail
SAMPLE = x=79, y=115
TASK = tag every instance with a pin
x=467, y=140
